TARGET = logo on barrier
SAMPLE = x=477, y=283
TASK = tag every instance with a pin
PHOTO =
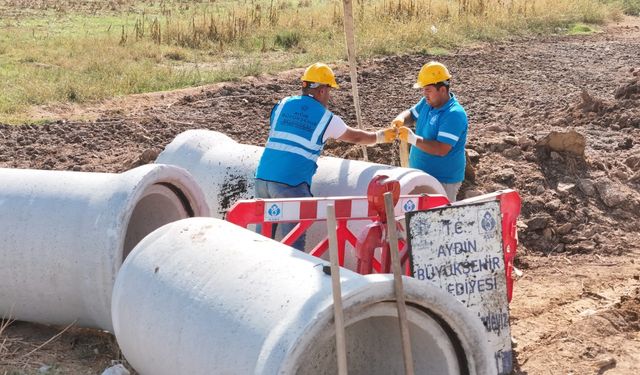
x=409, y=205
x=274, y=212
x=488, y=224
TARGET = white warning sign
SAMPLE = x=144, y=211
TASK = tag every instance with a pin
x=459, y=249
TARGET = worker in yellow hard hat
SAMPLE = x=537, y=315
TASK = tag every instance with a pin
x=438, y=144
x=300, y=126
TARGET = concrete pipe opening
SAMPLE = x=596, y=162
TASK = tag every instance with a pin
x=159, y=204
x=374, y=346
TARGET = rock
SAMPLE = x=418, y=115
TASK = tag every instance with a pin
x=628, y=90
x=633, y=162
x=611, y=193
x=626, y=144
x=564, y=228
x=497, y=147
x=505, y=175
x=587, y=186
x=555, y=156
x=589, y=103
x=565, y=188
x=525, y=142
x=510, y=140
x=547, y=233
x=563, y=215
x=470, y=171
x=587, y=246
x=553, y=205
x=512, y=153
x=472, y=155
x=571, y=142
x=539, y=221
x=621, y=175
x=495, y=128
x=149, y=156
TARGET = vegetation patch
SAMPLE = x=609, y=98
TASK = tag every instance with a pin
x=580, y=29
x=81, y=50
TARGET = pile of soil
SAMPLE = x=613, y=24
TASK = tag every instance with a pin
x=555, y=118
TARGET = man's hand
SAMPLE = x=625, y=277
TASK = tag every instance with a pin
x=405, y=134
x=386, y=135
x=397, y=122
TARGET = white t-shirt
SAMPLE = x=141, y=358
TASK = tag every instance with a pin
x=336, y=128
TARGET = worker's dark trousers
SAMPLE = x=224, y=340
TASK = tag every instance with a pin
x=270, y=190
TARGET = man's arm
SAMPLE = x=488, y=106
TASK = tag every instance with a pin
x=429, y=146
x=358, y=136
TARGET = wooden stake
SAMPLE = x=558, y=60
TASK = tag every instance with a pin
x=397, y=281
x=341, y=347
x=353, y=65
x=404, y=154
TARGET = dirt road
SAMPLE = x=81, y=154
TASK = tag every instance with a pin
x=576, y=310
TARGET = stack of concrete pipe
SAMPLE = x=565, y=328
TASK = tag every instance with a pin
x=64, y=235
x=203, y=296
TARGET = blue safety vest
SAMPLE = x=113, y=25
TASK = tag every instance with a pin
x=295, y=141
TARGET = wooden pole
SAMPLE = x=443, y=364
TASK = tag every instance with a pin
x=341, y=347
x=404, y=154
x=397, y=282
x=353, y=66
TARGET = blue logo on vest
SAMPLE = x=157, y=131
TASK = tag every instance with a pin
x=409, y=206
x=274, y=210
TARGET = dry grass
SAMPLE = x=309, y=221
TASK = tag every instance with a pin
x=86, y=50
x=14, y=354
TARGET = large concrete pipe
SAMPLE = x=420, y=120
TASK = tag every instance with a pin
x=203, y=296
x=225, y=170
x=64, y=235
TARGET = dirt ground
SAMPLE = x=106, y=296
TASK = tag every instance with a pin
x=555, y=118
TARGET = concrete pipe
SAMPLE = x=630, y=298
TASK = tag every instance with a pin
x=64, y=235
x=225, y=169
x=203, y=296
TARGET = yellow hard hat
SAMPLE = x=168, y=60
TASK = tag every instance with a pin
x=431, y=73
x=320, y=73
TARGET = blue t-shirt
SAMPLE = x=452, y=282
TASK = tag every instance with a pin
x=447, y=124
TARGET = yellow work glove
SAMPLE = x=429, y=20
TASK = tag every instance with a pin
x=386, y=135
x=405, y=134
x=397, y=122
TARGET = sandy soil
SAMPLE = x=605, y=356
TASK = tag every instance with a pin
x=556, y=118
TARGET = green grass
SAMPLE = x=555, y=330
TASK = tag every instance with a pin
x=51, y=51
x=580, y=29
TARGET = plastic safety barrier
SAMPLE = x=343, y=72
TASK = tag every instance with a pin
x=306, y=211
